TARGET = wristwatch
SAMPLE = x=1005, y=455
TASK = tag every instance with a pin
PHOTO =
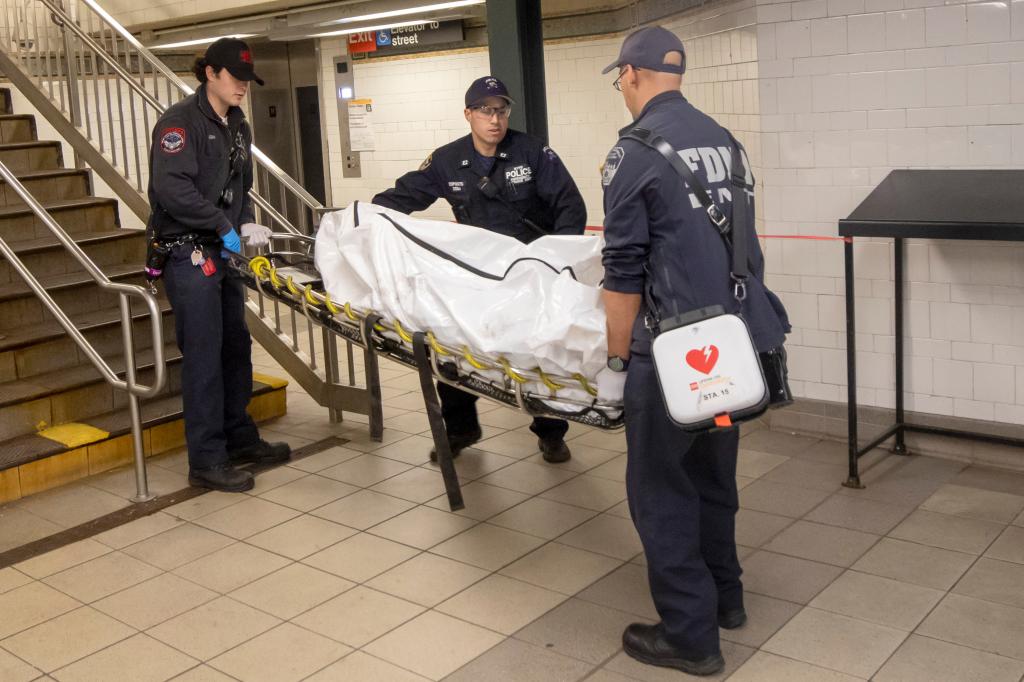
x=617, y=364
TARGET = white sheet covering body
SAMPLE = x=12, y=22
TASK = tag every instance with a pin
x=527, y=306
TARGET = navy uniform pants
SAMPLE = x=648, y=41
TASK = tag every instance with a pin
x=459, y=411
x=216, y=349
x=683, y=500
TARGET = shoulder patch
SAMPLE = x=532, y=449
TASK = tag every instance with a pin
x=611, y=165
x=426, y=162
x=551, y=153
x=172, y=140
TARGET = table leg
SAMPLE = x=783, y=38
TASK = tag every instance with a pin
x=853, y=481
x=900, y=447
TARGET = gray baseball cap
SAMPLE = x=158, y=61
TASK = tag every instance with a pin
x=646, y=49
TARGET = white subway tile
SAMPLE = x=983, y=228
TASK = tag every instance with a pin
x=905, y=29
x=866, y=32
x=972, y=352
x=868, y=147
x=828, y=36
x=990, y=145
x=952, y=378
x=947, y=146
x=1017, y=81
x=809, y=9
x=1018, y=145
x=1020, y=385
x=765, y=41
x=812, y=66
x=992, y=324
x=1005, y=114
x=951, y=321
x=973, y=409
x=805, y=363
x=795, y=95
x=793, y=39
x=905, y=89
x=946, y=25
x=831, y=93
x=988, y=84
x=842, y=8
x=887, y=118
x=988, y=22
x=947, y=86
x=1017, y=19
x=967, y=116
x=882, y=5
x=796, y=150
x=970, y=293
x=934, y=117
x=962, y=55
x=918, y=322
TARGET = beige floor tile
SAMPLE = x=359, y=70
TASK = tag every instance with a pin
x=515, y=444
x=780, y=498
x=422, y=527
x=247, y=518
x=776, y=442
x=975, y=503
x=561, y=568
x=487, y=546
x=302, y=536
x=207, y=503
x=482, y=501
x=275, y=478
x=27, y=606
x=827, y=544
x=621, y=510
x=809, y=474
x=155, y=601
x=325, y=459
x=139, y=659
x=358, y=616
x=203, y=673
x=614, y=469
x=765, y=667
x=625, y=589
x=365, y=470
x=501, y=603
x=922, y=659
x=414, y=450
x=754, y=528
x=230, y=568
x=755, y=464
x=121, y=482
x=890, y=486
x=63, y=558
x=472, y=464
x=138, y=530
x=913, y=563
x=14, y=670
x=360, y=557
x=411, y=423
x=516, y=661
x=427, y=579
x=213, y=628
x=505, y=418
x=285, y=654
x=11, y=578
x=101, y=577
x=978, y=624
x=1019, y=520
x=765, y=616
x=997, y=581
x=543, y=518
x=990, y=478
x=359, y=437
x=787, y=578
x=292, y=590
x=579, y=629
x=365, y=668
x=309, y=492
x=606, y=440
x=603, y=675
x=586, y=458
x=589, y=492
x=529, y=478
x=433, y=644
x=868, y=516
x=19, y=527
x=837, y=642
x=605, y=534
x=416, y=485
x=878, y=600
x=948, y=532
x=69, y=506
x=735, y=655
x=66, y=638
x=363, y=509
x=1009, y=546
x=178, y=546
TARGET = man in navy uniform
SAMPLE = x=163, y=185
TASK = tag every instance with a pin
x=200, y=177
x=507, y=182
x=660, y=242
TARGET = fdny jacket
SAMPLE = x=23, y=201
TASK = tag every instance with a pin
x=194, y=157
x=658, y=238
x=527, y=181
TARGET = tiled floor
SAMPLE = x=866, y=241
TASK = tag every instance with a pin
x=348, y=565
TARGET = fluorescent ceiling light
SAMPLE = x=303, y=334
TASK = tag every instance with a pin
x=367, y=29
x=402, y=12
x=199, y=41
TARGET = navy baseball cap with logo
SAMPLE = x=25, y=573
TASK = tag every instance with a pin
x=235, y=56
x=646, y=49
x=485, y=87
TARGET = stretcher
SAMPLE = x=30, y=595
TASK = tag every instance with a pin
x=289, y=276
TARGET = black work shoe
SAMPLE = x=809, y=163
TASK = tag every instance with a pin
x=261, y=452
x=554, y=450
x=647, y=644
x=457, y=442
x=731, y=619
x=225, y=478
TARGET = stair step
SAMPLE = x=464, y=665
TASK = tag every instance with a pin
x=6, y=107
x=46, y=256
x=84, y=214
x=17, y=128
x=36, y=155
x=48, y=186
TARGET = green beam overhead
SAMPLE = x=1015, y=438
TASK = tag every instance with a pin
x=516, y=44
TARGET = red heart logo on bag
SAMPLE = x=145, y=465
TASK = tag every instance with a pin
x=703, y=359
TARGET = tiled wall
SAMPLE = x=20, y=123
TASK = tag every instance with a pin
x=850, y=89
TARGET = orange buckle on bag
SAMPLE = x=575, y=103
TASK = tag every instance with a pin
x=722, y=421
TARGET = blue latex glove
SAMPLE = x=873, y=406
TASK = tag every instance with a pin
x=231, y=242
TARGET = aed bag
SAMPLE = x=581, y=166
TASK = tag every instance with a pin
x=708, y=368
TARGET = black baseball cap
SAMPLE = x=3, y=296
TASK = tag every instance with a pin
x=485, y=87
x=646, y=49
x=234, y=55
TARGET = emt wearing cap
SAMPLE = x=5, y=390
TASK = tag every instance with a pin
x=200, y=177
x=660, y=242
x=507, y=182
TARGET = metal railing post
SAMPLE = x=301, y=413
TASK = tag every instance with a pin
x=142, y=493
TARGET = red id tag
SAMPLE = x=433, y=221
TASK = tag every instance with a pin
x=209, y=267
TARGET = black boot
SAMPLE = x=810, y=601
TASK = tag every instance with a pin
x=224, y=477
x=730, y=619
x=554, y=450
x=647, y=644
x=261, y=452
x=457, y=442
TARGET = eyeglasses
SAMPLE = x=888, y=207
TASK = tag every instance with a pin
x=616, y=84
x=488, y=111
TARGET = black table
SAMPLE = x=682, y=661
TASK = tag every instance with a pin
x=924, y=204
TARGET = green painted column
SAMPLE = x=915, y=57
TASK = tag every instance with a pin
x=516, y=44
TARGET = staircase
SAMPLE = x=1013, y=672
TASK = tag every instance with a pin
x=59, y=419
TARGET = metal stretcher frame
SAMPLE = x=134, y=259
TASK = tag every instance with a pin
x=272, y=275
